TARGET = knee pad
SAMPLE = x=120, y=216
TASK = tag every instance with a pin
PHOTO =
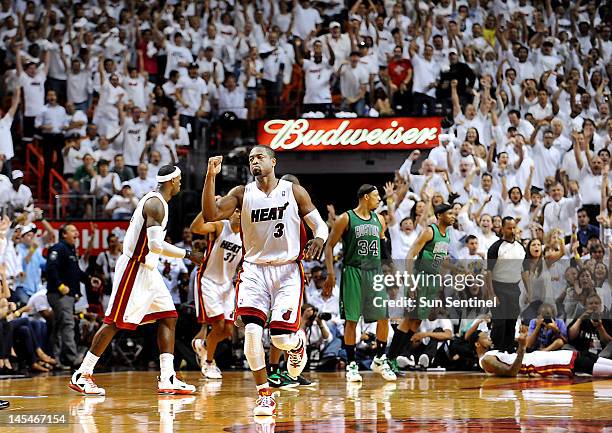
x=253, y=346
x=285, y=341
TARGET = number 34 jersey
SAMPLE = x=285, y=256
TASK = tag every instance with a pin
x=224, y=256
x=272, y=230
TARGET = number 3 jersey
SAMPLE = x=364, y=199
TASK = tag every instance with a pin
x=361, y=242
x=224, y=256
x=272, y=230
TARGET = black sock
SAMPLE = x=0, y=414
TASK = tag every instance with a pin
x=399, y=341
x=381, y=348
x=273, y=368
x=350, y=352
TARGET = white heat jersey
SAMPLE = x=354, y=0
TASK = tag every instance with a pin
x=224, y=256
x=559, y=362
x=272, y=230
x=135, y=243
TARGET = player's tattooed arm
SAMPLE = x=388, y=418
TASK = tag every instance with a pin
x=153, y=211
x=311, y=215
x=216, y=210
x=338, y=229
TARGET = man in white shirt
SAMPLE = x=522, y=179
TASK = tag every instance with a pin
x=51, y=121
x=275, y=60
x=134, y=137
x=306, y=21
x=20, y=196
x=79, y=85
x=32, y=80
x=317, y=75
x=179, y=57
x=560, y=212
x=57, y=49
x=7, y=150
x=74, y=151
x=339, y=42
x=111, y=99
x=354, y=79
x=191, y=91
x=122, y=205
x=232, y=96
x=142, y=184
x=425, y=78
x=76, y=122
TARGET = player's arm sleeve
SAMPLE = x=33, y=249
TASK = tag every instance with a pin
x=157, y=245
x=317, y=225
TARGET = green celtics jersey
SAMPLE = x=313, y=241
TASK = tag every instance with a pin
x=361, y=242
x=434, y=252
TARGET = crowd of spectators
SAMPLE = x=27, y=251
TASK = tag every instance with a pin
x=110, y=89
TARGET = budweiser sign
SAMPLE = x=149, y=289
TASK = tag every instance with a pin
x=391, y=133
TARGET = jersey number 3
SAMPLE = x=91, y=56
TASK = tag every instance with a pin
x=279, y=230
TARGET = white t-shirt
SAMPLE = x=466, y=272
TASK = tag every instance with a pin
x=33, y=91
x=136, y=91
x=109, y=96
x=77, y=116
x=351, y=80
x=140, y=187
x=192, y=90
x=134, y=141
x=6, y=139
x=177, y=55
x=233, y=101
x=104, y=185
x=425, y=73
x=305, y=21
x=78, y=86
x=317, y=76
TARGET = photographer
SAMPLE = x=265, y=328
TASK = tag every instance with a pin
x=591, y=331
x=545, y=332
x=319, y=336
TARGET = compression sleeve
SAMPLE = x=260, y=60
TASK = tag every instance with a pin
x=157, y=245
x=316, y=223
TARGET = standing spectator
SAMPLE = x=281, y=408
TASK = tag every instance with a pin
x=232, y=96
x=400, y=72
x=585, y=230
x=191, y=94
x=560, y=211
x=338, y=42
x=32, y=79
x=76, y=121
x=64, y=277
x=317, y=74
x=134, y=137
x=275, y=60
x=306, y=19
x=74, y=151
x=425, y=79
x=79, y=84
x=51, y=121
x=178, y=56
x=591, y=332
x=111, y=99
x=7, y=150
x=105, y=263
x=504, y=262
x=354, y=79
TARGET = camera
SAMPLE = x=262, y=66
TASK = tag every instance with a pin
x=548, y=319
x=322, y=316
x=595, y=316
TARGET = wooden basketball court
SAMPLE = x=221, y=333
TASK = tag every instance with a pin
x=419, y=402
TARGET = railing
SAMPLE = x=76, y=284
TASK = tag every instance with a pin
x=60, y=206
x=35, y=168
x=83, y=210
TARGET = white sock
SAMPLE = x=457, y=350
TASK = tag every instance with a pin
x=166, y=365
x=263, y=386
x=604, y=361
x=602, y=369
x=88, y=364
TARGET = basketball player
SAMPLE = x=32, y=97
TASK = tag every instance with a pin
x=544, y=363
x=271, y=281
x=215, y=297
x=431, y=250
x=139, y=294
x=361, y=230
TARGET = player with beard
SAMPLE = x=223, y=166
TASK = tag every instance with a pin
x=272, y=279
x=431, y=249
x=361, y=230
